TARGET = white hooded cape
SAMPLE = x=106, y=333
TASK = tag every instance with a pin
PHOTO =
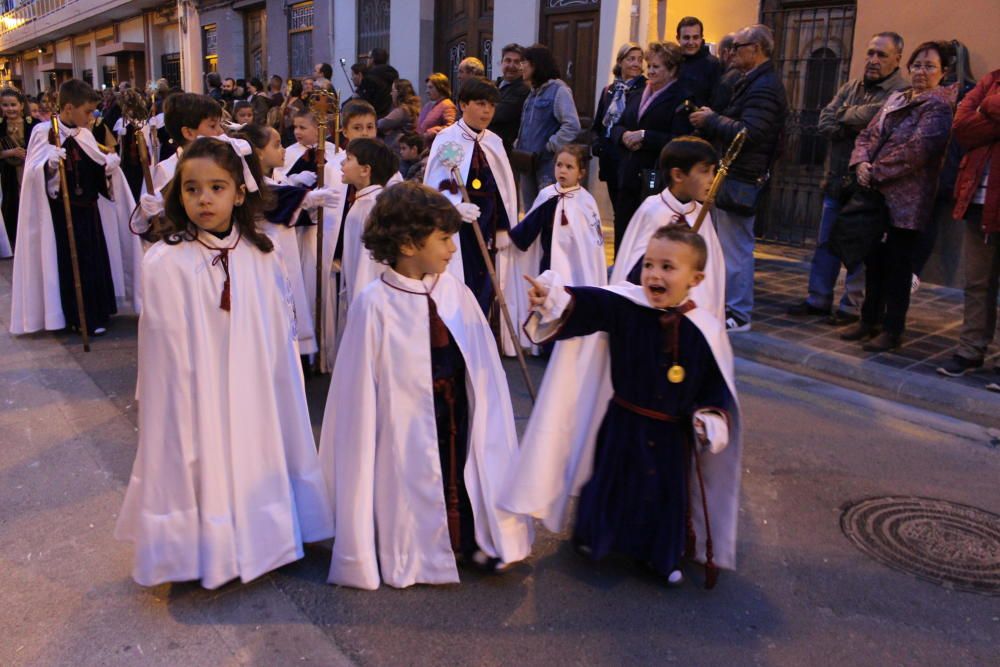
x=379, y=446
x=437, y=172
x=226, y=481
x=656, y=212
x=577, y=253
x=286, y=242
x=333, y=310
x=359, y=268
x=557, y=451
x=35, y=300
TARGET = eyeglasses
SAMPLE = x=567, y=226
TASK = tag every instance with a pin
x=920, y=67
x=740, y=45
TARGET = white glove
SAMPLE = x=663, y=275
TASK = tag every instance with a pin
x=502, y=241
x=469, y=212
x=55, y=155
x=712, y=430
x=304, y=179
x=327, y=198
x=151, y=204
x=111, y=162
x=558, y=298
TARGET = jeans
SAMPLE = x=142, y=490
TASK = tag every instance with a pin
x=531, y=184
x=736, y=238
x=888, y=277
x=826, y=267
x=982, y=283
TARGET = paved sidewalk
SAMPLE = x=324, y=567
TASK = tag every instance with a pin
x=809, y=345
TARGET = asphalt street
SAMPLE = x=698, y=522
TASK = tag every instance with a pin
x=802, y=593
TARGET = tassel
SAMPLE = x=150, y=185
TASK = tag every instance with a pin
x=565, y=220
x=439, y=332
x=225, y=304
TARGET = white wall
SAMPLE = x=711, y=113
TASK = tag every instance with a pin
x=413, y=58
x=132, y=30
x=345, y=40
x=515, y=21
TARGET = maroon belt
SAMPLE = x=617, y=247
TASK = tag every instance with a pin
x=645, y=412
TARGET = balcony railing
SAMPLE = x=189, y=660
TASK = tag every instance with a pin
x=25, y=12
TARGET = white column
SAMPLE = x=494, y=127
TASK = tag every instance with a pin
x=345, y=41
x=192, y=77
x=517, y=21
x=412, y=55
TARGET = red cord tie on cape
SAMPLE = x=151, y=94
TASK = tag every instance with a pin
x=564, y=196
x=225, y=303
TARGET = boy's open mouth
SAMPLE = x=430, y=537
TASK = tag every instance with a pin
x=657, y=289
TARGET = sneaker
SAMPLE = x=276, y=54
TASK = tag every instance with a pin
x=958, y=366
x=736, y=324
x=806, y=309
x=98, y=332
x=994, y=386
x=914, y=284
x=884, y=342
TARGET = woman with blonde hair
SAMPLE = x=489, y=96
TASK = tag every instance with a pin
x=439, y=112
x=650, y=120
x=628, y=82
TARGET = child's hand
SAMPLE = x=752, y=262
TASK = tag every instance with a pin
x=537, y=294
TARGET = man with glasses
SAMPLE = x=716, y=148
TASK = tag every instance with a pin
x=758, y=106
x=849, y=112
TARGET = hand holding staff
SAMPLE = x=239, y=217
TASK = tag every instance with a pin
x=71, y=237
x=320, y=104
x=457, y=175
x=731, y=153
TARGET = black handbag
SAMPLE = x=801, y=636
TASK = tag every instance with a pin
x=523, y=162
x=739, y=197
x=862, y=220
x=860, y=224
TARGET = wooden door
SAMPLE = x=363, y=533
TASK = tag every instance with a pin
x=255, y=32
x=572, y=36
x=462, y=28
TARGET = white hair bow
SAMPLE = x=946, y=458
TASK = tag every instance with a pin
x=242, y=148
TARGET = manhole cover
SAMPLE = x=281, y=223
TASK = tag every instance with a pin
x=950, y=544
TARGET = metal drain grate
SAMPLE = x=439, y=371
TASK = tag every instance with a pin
x=950, y=544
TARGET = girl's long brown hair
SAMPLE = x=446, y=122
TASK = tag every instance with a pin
x=178, y=227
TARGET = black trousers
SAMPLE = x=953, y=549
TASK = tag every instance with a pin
x=888, y=277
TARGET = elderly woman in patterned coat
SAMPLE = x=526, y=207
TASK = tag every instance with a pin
x=900, y=154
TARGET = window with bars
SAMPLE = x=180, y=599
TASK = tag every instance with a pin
x=373, y=26
x=210, y=47
x=300, y=36
x=170, y=68
x=88, y=76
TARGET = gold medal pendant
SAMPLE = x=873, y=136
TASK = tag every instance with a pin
x=476, y=184
x=676, y=374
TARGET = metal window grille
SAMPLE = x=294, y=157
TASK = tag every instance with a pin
x=170, y=68
x=373, y=26
x=300, y=16
x=486, y=55
x=813, y=54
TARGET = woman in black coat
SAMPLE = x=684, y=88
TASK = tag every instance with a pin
x=628, y=83
x=650, y=121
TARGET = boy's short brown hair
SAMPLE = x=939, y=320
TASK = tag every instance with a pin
x=406, y=213
x=188, y=110
x=77, y=93
x=356, y=108
x=681, y=233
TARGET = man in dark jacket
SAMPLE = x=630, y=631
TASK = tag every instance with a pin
x=977, y=201
x=759, y=106
x=849, y=112
x=701, y=70
x=513, y=91
x=376, y=86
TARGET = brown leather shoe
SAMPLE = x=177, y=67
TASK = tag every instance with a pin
x=860, y=331
x=884, y=342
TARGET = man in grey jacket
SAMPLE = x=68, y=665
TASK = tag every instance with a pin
x=850, y=111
